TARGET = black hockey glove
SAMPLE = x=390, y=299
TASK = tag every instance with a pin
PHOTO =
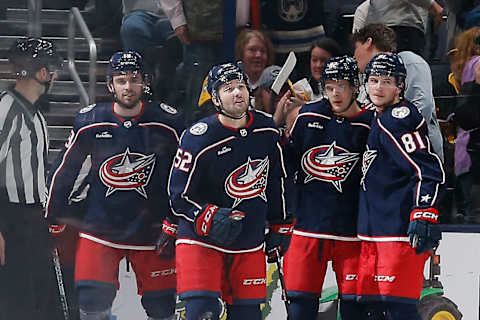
x=165, y=245
x=277, y=239
x=221, y=225
x=423, y=230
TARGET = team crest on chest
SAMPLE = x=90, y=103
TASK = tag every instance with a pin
x=127, y=171
x=248, y=181
x=329, y=163
x=368, y=157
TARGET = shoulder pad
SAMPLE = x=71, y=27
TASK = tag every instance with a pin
x=400, y=112
x=198, y=128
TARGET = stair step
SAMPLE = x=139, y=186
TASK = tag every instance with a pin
x=47, y=15
x=13, y=4
x=20, y=28
x=105, y=47
x=6, y=71
x=64, y=89
x=62, y=113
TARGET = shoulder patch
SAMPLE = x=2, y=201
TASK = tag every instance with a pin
x=400, y=112
x=199, y=128
x=87, y=108
x=168, y=108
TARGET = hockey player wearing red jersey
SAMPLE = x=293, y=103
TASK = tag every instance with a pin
x=328, y=138
x=124, y=150
x=399, y=189
x=226, y=183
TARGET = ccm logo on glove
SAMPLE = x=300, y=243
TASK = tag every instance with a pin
x=430, y=215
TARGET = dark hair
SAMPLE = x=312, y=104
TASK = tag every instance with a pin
x=328, y=44
x=383, y=37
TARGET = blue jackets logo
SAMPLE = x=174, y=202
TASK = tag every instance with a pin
x=368, y=157
x=248, y=181
x=328, y=163
x=127, y=171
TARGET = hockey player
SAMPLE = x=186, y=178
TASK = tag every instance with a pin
x=125, y=149
x=327, y=141
x=27, y=284
x=399, y=189
x=226, y=182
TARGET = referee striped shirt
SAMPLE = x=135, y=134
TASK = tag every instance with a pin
x=23, y=150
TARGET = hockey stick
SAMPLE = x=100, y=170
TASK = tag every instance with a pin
x=61, y=287
x=282, y=284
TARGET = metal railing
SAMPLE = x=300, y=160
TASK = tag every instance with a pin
x=34, y=24
x=75, y=18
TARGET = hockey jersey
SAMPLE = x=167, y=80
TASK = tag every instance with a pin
x=326, y=151
x=400, y=172
x=232, y=168
x=126, y=163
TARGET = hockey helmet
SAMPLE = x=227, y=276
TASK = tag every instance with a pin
x=387, y=64
x=121, y=62
x=341, y=68
x=222, y=74
x=28, y=55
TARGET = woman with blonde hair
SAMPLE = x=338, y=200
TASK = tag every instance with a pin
x=256, y=52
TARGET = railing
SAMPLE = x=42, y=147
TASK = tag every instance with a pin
x=75, y=18
x=34, y=25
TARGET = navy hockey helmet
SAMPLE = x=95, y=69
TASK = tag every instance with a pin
x=121, y=62
x=222, y=74
x=387, y=64
x=341, y=68
x=28, y=55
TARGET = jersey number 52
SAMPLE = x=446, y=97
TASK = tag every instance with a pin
x=182, y=160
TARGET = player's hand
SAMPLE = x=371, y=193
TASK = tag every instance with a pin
x=423, y=231
x=221, y=225
x=165, y=245
x=436, y=12
x=277, y=240
x=182, y=33
x=2, y=250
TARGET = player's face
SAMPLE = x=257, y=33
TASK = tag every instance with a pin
x=128, y=88
x=340, y=95
x=362, y=54
x=318, y=57
x=383, y=91
x=254, y=57
x=233, y=96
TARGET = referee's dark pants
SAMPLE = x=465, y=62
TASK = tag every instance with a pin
x=27, y=281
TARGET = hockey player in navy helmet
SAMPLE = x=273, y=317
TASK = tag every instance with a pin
x=400, y=187
x=226, y=183
x=124, y=150
x=327, y=140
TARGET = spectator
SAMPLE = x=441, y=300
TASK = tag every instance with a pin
x=26, y=270
x=378, y=38
x=465, y=68
x=145, y=27
x=256, y=52
x=199, y=26
x=320, y=51
x=360, y=16
x=407, y=18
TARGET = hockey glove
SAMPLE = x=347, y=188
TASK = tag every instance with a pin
x=423, y=230
x=221, y=225
x=277, y=240
x=165, y=245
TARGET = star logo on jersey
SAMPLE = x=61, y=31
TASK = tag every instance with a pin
x=368, y=157
x=127, y=171
x=425, y=198
x=248, y=181
x=329, y=163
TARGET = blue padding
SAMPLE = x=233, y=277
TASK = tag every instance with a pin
x=199, y=294
x=159, y=304
x=95, y=298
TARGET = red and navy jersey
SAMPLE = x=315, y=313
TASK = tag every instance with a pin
x=231, y=168
x=126, y=164
x=400, y=173
x=325, y=151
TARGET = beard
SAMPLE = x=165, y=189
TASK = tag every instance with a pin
x=127, y=104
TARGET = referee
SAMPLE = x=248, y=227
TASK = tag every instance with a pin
x=27, y=279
